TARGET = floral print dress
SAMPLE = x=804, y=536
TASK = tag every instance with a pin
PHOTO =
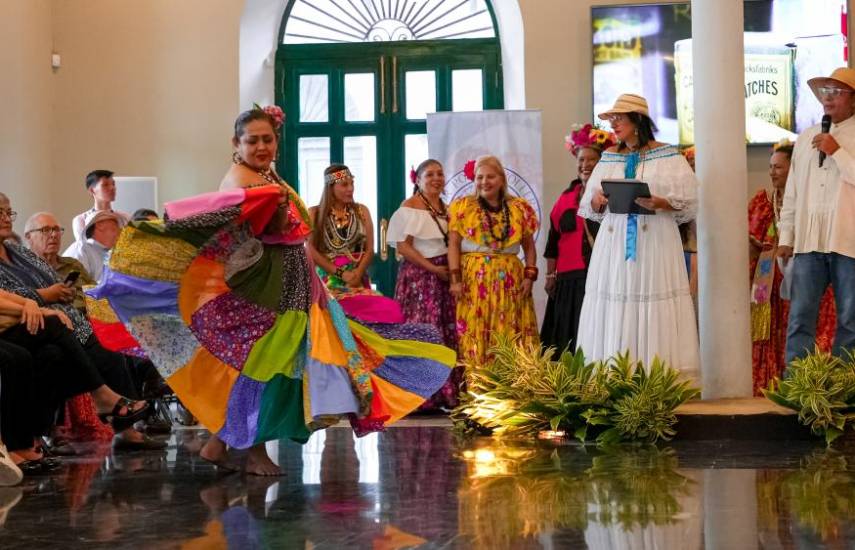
x=492, y=302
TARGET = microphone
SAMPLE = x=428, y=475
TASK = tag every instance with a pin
x=826, y=126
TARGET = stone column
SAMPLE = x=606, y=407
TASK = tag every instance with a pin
x=730, y=509
x=721, y=164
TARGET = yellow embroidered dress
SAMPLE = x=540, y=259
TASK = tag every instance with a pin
x=492, y=272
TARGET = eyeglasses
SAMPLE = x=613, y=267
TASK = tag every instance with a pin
x=617, y=118
x=11, y=214
x=829, y=91
x=48, y=230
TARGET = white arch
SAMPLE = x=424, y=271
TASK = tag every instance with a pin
x=259, y=39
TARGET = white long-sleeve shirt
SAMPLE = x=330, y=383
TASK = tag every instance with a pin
x=818, y=214
x=90, y=253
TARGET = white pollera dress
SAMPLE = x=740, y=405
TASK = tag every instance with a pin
x=637, y=291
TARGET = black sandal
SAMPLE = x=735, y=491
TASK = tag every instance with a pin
x=121, y=422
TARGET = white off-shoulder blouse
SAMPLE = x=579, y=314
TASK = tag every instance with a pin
x=418, y=224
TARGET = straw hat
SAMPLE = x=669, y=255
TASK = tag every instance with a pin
x=841, y=75
x=627, y=103
x=100, y=215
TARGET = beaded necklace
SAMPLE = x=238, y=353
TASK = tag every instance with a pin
x=436, y=215
x=488, y=225
x=337, y=244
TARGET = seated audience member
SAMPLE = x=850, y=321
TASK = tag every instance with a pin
x=144, y=215
x=101, y=185
x=99, y=237
x=23, y=273
x=43, y=235
x=41, y=365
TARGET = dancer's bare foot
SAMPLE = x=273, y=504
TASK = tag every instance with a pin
x=259, y=464
x=216, y=452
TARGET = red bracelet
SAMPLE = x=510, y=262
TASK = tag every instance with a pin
x=530, y=272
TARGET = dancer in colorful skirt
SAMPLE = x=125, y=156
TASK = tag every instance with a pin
x=223, y=298
x=419, y=232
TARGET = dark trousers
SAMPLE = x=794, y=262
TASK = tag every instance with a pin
x=61, y=368
x=19, y=421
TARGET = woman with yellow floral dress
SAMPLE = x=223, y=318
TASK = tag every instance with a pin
x=491, y=284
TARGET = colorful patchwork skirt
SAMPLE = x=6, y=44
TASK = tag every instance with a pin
x=246, y=334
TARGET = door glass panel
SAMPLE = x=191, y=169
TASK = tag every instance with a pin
x=421, y=94
x=360, y=155
x=359, y=97
x=314, y=98
x=313, y=156
x=415, y=151
x=467, y=90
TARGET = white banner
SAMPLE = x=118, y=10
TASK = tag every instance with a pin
x=512, y=136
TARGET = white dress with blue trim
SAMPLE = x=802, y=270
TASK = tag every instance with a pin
x=637, y=292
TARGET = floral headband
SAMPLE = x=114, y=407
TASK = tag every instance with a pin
x=588, y=136
x=274, y=111
x=785, y=142
x=335, y=177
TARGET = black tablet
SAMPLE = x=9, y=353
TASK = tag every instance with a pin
x=622, y=195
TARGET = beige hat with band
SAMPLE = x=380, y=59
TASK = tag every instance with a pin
x=841, y=75
x=627, y=103
x=100, y=215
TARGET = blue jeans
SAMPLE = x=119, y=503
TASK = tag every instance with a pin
x=812, y=273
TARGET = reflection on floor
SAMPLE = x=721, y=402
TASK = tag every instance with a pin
x=418, y=486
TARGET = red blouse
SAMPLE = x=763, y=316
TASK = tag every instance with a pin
x=567, y=242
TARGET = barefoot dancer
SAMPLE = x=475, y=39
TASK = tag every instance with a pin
x=224, y=299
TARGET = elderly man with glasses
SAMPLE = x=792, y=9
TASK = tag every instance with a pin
x=43, y=234
x=817, y=225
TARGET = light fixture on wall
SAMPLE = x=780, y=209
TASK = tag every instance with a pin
x=55, y=61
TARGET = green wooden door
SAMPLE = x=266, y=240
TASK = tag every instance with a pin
x=365, y=105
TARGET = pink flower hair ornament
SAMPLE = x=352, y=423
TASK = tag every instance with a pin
x=275, y=112
x=414, y=177
x=588, y=136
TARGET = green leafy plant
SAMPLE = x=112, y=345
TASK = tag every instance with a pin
x=821, y=388
x=523, y=391
x=630, y=486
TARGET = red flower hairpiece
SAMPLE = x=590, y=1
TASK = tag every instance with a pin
x=414, y=177
x=469, y=170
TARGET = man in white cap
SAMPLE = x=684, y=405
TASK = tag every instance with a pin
x=817, y=225
x=100, y=233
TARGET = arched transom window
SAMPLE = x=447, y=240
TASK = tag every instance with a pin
x=337, y=21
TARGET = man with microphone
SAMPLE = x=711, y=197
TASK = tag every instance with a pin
x=817, y=223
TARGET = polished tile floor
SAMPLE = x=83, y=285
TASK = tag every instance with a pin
x=417, y=486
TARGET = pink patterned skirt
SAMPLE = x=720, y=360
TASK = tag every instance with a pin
x=425, y=298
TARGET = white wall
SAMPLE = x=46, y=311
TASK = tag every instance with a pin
x=26, y=104
x=145, y=89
